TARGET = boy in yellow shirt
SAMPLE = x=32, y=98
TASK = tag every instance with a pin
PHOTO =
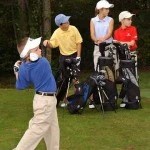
x=67, y=38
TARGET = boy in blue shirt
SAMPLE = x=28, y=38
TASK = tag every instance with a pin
x=36, y=70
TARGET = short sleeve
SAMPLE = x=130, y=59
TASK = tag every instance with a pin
x=116, y=35
x=53, y=40
x=134, y=34
x=78, y=36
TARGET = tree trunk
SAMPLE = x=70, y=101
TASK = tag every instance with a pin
x=47, y=25
x=13, y=23
x=23, y=18
x=148, y=4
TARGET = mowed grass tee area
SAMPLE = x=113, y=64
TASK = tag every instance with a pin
x=123, y=130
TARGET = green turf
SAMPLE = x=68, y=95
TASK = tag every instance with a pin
x=123, y=130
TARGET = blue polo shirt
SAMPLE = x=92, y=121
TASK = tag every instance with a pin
x=39, y=74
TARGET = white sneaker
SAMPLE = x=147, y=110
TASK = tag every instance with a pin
x=63, y=105
x=122, y=105
x=91, y=106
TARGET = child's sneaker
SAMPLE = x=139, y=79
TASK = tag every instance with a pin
x=91, y=104
x=122, y=105
x=63, y=105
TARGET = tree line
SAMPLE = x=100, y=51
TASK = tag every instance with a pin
x=34, y=18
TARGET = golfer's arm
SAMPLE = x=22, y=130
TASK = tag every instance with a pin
x=92, y=32
x=79, y=46
x=110, y=30
x=131, y=43
x=16, y=74
x=49, y=45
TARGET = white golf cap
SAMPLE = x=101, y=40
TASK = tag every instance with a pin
x=31, y=43
x=125, y=14
x=104, y=4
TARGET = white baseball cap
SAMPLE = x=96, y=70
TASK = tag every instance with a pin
x=125, y=14
x=104, y=4
x=31, y=43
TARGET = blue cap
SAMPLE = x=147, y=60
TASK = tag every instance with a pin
x=61, y=18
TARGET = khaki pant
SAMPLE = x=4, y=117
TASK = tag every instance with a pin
x=96, y=55
x=44, y=124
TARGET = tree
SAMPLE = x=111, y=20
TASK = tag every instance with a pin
x=47, y=24
x=23, y=18
x=19, y=18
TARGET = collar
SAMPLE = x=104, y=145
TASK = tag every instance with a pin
x=35, y=60
x=124, y=28
x=101, y=20
x=65, y=30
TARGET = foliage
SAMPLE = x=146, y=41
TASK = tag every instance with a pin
x=8, y=52
x=81, y=12
x=35, y=18
x=143, y=24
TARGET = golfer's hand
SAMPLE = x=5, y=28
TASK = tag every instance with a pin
x=78, y=59
x=100, y=40
x=115, y=41
x=45, y=43
x=16, y=66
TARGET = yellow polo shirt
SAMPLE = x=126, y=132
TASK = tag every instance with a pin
x=66, y=40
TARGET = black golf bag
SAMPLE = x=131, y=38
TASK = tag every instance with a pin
x=108, y=90
x=62, y=84
x=123, y=53
x=64, y=78
x=103, y=80
x=130, y=91
x=78, y=100
x=110, y=50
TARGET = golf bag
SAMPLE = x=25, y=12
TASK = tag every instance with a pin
x=63, y=80
x=123, y=53
x=128, y=77
x=78, y=100
x=130, y=92
x=102, y=80
x=110, y=50
x=108, y=90
x=75, y=101
x=62, y=84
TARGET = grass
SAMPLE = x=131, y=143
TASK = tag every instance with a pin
x=123, y=130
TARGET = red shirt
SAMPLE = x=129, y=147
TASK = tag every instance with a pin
x=126, y=35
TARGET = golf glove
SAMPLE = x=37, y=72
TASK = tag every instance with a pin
x=78, y=59
x=17, y=65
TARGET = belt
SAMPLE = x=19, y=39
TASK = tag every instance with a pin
x=103, y=43
x=45, y=93
x=96, y=44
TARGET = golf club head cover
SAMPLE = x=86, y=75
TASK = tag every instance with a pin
x=78, y=60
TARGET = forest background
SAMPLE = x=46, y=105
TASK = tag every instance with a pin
x=34, y=18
